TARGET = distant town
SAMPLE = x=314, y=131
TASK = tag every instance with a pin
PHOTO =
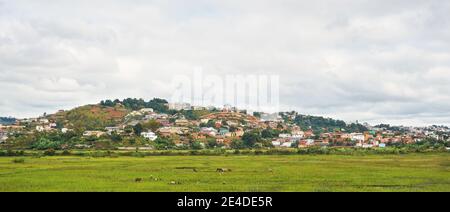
x=135, y=124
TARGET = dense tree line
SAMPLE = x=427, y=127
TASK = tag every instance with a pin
x=391, y=128
x=319, y=124
x=159, y=105
x=7, y=120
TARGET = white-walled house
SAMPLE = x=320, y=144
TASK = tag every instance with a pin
x=276, y=143
x=111, y=130
x=146, y=110
x=93, y=133
x=40, y=128
x=287, y=144
x=357, y=137
x=298, y=134
x=285, y=135
x=209, y=131
x=179, y=106
x=3, y=137
x=309, y=142
x=44, y=121
x=149, y=135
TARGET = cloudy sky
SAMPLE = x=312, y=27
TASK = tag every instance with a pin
x=376, y=61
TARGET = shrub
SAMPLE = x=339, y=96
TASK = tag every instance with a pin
x=10, y=153
x=194, y=152
x=99, y=154
x=259, y=152
x=138, y=154
x=50, y=152
x=18, y=160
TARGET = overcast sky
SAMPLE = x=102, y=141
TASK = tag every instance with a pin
x=376, y=61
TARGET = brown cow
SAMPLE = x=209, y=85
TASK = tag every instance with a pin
x=222, y=170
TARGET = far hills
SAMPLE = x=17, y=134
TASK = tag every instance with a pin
x=113, y=112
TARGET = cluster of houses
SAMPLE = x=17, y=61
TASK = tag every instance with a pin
x=3, y=136
x=228, y=123
x=39, y=124
x=304, y=139
x=369, y=139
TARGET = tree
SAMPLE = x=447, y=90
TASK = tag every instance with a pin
x=211, y=124
x=163, y=143
x=224, y=123
x=212, y=143
x=270, y=133
x=128, y=129
x=251, y=138
x=237, y=144
x=107, y=103
x=196, y=145
x=44, y=143
x=138, y=129
x=152, y=125
x=116, y=137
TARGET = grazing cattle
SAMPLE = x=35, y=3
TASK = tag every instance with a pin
x=174, y=183
x=222, y=170
x=138, y=180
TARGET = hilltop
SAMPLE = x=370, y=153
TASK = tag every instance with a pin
x=89, y=117
x=158, y=124
x=7, y=120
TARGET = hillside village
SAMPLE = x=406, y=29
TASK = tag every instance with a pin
x=136, y=124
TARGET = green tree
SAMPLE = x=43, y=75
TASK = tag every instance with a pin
x=212, y=143
x=237, y=144
x=116, y=137
x=152, y=125
x=138, y=129
x=164, y=143
x=44, y=143
x=196, y=145
x=270, y=133
x=251, y=138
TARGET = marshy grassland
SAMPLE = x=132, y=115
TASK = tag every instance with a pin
x=259, y=173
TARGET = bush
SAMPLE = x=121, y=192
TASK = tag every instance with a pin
x=194, y=152
x=45, y=143
x=138, y=154
x=50, y=152
x=259, y=152
x=66, y=153
x=12, y=153
x=99, y=154
x=18, y=160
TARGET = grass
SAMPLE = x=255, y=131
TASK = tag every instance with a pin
x=411, y=172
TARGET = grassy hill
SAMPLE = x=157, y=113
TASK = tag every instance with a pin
x=91, y=117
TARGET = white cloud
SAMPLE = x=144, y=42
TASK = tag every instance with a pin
x=385, y=60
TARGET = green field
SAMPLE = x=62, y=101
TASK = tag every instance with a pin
x=412, y=172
